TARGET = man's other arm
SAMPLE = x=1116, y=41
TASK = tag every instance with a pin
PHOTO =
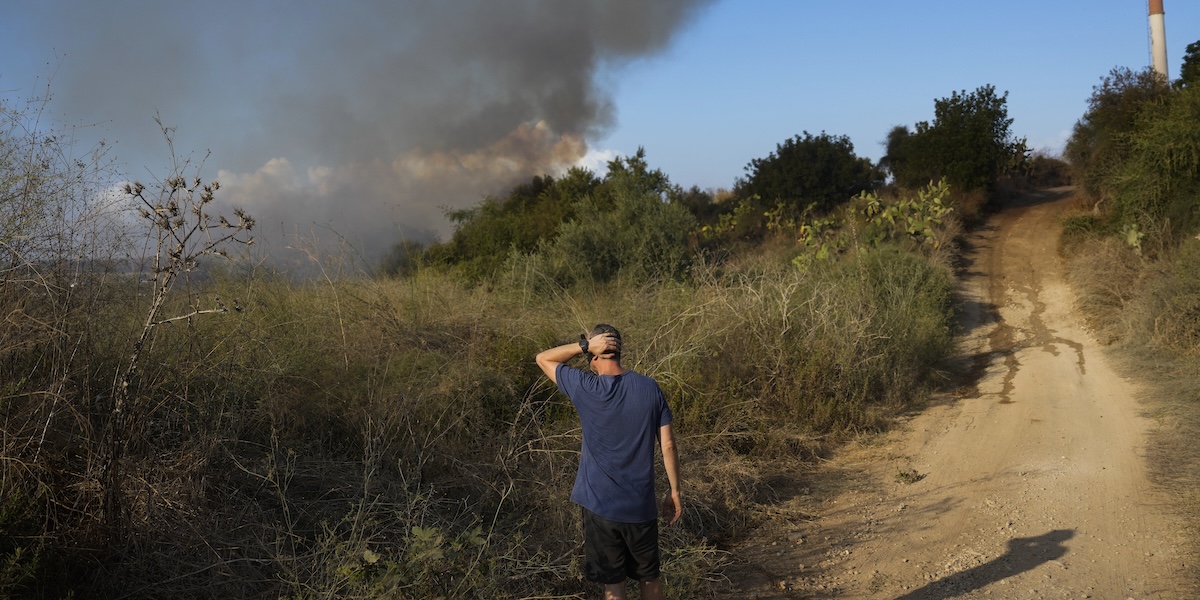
x=672, y=507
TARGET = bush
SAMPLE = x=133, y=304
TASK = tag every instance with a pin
x=1107, y=274
x=640, y=237
x=820, y=171
x=1157, y=188
x=969, y=144
x=1099, y=142
x=581, y=221
x=1079, y=230
x=529, y=215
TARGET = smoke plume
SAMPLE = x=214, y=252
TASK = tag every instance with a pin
x=365, y=118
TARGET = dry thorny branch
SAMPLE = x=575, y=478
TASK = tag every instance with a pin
x=178, y=216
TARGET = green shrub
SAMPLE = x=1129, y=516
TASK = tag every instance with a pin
x=821, y=171
x=21, y=542
x=1099, y=142
x=1158, y=187
x=640, y=237
x=590, y=228
x=921, y=217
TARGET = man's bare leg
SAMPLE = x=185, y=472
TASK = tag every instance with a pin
x=652, y=589
x=615, y=591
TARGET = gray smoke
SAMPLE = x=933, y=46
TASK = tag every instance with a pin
x=364, y=119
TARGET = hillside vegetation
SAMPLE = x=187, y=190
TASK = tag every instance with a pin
x=193, y=424
x=1134, y=252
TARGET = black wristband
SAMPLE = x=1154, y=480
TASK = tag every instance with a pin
x=583, y=343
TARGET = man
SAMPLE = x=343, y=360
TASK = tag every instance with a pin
x=623, y=414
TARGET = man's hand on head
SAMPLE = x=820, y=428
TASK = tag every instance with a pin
x=604, y=345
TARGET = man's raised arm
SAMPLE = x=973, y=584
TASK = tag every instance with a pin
x=549, y=360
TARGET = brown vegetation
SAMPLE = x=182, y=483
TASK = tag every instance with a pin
x=240, y=434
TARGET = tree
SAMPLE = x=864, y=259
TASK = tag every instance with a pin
x=629, y=231
x=1099, y=141
x=969, y=143
x=529, y=214
x=627, y=218
x=701, y=203
x=896, y=159
x=634, y=172
x=1189, y=73
x=821, y=171
x=1156, y=188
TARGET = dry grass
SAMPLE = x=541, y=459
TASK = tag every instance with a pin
x=1106, y=275
x=244, y=435
x=351, y=438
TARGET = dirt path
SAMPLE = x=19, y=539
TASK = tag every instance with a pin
x=1029, y=484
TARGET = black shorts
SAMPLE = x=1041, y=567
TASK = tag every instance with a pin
x=615, y=551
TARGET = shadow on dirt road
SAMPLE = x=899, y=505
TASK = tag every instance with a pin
x=1024, y=554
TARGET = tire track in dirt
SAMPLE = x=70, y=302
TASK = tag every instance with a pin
x=1030, y=483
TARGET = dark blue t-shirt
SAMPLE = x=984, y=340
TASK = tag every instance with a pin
x=621, y=415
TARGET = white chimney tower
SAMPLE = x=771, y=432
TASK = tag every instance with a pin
x=1158, y=40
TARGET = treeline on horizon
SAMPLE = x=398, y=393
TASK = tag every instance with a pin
x=635, y=221
x=249, y=435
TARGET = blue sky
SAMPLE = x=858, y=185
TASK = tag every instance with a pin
x=371, y=117
x=748, y=74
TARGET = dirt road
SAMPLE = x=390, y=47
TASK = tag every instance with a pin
x=1030, y=483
